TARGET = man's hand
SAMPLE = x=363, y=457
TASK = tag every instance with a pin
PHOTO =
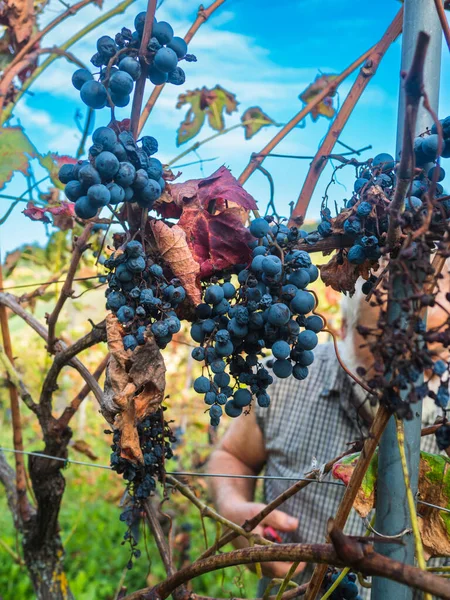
x=240, y=511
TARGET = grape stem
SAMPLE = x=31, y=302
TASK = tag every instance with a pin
x=368, y=70
x=140, y=84
x=203, y=15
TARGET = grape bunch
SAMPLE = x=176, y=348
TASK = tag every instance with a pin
x=117, y=171
x=120, y=68
x=347, y=588
x=266, y=310
x=155, y=437
x=141, y=298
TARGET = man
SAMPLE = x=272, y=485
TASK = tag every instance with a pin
x=309, y=420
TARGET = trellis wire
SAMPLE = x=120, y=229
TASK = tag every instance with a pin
x=68, y=461
x=51, y=282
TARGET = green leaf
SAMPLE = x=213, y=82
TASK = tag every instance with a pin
x=218, y=100
x=16, y=151
x=255, y=119
x=203, y=102
x=194, y=119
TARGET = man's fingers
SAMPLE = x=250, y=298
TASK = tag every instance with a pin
x=281, y=521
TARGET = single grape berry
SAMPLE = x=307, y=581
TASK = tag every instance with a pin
x=163, y=32
x=93, y=94
x=202, y=385
x=156, y=76
x=84, y=209
x=259, y=228
x=179, y=46
x=177, y=76
x=165, y=60
x=281, y=349
x=80, y=77
x=131, y=66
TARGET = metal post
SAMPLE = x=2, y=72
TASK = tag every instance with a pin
x=392, y=514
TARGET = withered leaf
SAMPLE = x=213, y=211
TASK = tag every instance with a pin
x=255, y=119
x=134, y=386
x=324, y=108
x=84, y=448
x=174, y=249
x=434, y=486
x=342, y=275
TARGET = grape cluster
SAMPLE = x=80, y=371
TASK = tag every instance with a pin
x=140, y=297
x=347, y=588
x=120, y=68
x=266, y=310
x=155, y=437
x=443, y=436
x=117, y=171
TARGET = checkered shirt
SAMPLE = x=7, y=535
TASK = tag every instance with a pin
x=309, y=422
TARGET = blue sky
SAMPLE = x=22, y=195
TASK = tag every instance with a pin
x=267, y=54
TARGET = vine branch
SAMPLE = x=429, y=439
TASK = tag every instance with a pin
x=367, y=72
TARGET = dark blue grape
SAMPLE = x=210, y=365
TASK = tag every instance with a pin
x=300, y=278
x=314, y=323
x=98, y=195
x=154, y=169
x=303, y=303
x=282, y=368
x=356, y=255
x=202, y=385
x=177, y=76
x=281, y=349
x=73, y=190
x=232, y=410
x=107, y=165
x=80, y=77
x=384, y=161
x=115, y=300
x=93, y=94
x=364, y=209
x=84, y=209
x=130, y=342
x=179, y=46
x=300, y=372
x=106, y=46
x=279, y=314
x=125, y=314
x=165, y=60
x=131, y=66
x=430, y=146
x=259, y=228
x=242, y=398
x=210, y=398
x=307, y=340
x=163, y=32
x=120, y=100
x=214, y=294
x=156, y=76
x=117, y=193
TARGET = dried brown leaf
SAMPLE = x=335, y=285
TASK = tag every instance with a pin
x=84, y=448
x=342, y=275
x=174, y=249
x=134, y=386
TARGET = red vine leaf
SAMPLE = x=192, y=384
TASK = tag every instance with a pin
x=36, y=213
x=175, y=252
x=258, y=119
x=342, y=275
x=221, y=187
x=218, y=241
x=203, y=102
x=134, y=386
x=324, y=108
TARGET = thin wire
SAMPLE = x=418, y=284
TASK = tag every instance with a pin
x=179, y=473
x=194, y=474
x=28, y=285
